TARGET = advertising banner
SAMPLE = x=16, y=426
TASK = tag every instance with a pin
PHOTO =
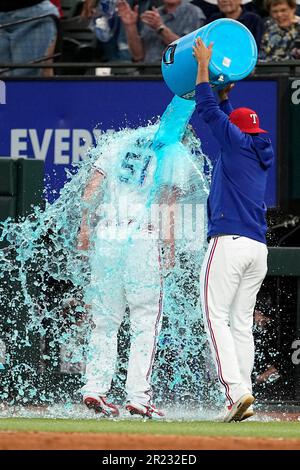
x=57, y=120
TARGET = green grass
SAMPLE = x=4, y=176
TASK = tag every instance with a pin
x=195, y=428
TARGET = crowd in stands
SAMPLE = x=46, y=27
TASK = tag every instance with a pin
x=139, y=30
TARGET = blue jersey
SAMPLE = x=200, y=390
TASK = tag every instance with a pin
x=236, y=201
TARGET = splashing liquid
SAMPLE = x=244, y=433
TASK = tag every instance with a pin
x=46, y=281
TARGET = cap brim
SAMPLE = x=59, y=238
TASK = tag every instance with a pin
x=255, y=131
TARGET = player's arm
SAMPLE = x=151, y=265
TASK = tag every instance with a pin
x=207, y=107
x=224, y=103
x=91, y=188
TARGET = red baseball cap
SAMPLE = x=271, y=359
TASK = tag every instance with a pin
x=246, y=120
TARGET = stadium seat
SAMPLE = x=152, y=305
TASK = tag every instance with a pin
x=8, y=188
x=78, y=43
x=21, y=186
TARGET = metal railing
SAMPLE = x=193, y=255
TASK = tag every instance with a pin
x=27, y=20
x=288, y=68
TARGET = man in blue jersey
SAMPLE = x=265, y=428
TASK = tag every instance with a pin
x=236, y=261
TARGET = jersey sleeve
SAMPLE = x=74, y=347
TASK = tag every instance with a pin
x=102, y=164
x=226, y=133
x=226, y=107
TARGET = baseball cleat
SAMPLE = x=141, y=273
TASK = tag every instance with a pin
x=146, y=411
x=100, y=405
x=239, y=408
x=248, y=413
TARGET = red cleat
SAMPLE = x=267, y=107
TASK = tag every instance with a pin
x=100, y=405
x=147, y=411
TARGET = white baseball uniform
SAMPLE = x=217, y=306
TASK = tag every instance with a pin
x=126, y=270
x=233, y=270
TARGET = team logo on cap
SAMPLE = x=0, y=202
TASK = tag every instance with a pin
x=246, y=120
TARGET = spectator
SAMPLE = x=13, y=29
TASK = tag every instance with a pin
x=282, y=32
x=232, y=9
x=160, y=27
x=105, y=22
x=112, y=44
x=30, y=41
x=210, y=7
x=88, y=8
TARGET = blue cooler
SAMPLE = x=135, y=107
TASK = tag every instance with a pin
x=234, y=57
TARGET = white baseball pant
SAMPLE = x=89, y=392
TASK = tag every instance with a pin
x=124, y=273
x=233, y=270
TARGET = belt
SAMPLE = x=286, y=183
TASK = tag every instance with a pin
x=223, y=235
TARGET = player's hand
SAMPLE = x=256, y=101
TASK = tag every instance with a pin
x=223, y=94
x=201, y=52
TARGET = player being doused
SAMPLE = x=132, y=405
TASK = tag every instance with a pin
x=129, y=230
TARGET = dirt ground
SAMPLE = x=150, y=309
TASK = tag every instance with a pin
x=87, y=441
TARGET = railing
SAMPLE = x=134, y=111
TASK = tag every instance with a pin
x=27, y=20
x=288, y=68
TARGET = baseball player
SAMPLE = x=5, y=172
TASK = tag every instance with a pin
x=125, y=266
x=236, y=261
